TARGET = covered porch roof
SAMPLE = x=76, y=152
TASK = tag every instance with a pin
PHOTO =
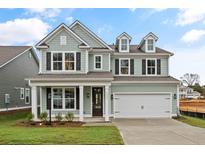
x=91, y=78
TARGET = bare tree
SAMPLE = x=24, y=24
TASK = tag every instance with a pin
x=190, y=79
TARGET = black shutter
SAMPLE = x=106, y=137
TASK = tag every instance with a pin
x=116, y=66
x=143, y=66
x=132, y=66
x=48, y=61
x=78, y=61
x=77, y=98
x=48, y=99
x=158, y=66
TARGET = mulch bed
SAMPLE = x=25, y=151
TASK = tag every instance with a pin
x=53, y=124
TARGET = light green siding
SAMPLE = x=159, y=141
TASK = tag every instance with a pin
x=86, y=36
x=105, y=62
x=171, y=88
x=138, y=64
x=72, y=45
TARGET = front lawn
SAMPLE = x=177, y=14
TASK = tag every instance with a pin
x=192, y=121
x=12, y=134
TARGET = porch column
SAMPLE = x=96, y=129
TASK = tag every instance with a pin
x=81, y=103
x=106, y=103
x=34, y=102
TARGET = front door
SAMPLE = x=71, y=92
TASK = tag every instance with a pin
x=97, y=98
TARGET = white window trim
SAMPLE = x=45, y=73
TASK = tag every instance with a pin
x=120, y=66
x=63, y=99
x=63, y=61
x=146, y=45
x=22, y=92
x=120, y=42
x=28, y=96
x=62, y=41
x=6, y=96
x=155, y=59
x=101, y=62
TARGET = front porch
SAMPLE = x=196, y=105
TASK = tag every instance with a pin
x=87, y=101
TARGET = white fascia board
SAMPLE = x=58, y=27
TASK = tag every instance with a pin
x=127, y=82
x=93, y=34
x=15, y=57
x=54, y=31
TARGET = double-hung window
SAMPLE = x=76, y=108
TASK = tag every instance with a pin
x=150, y=44
x=124, y=66
x=124, y=44
x=70, y=98
x=21, y=93
x=27, y=96
x=64, y=61
x=57, y=98
x=57, y=61
x=64, y=98
x=69, y=61
x=98, y=62
x=151, y=66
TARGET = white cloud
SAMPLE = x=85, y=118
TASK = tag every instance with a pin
x=132, y=9
x=190, y=16
x=69, y=20
x=193, y=35
x=188, y=60
x=22, y=31
x=44, y=12
x=104, y=29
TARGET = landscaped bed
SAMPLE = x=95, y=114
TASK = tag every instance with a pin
x=12, y=133
x=192, y=121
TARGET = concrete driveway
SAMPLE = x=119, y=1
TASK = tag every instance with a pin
x=159, y=131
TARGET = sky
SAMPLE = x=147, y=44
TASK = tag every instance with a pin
x=181, y=31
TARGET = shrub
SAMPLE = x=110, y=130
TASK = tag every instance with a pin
x=30, y=117
x=59, y=117
x=43, y=116
x=69, y=116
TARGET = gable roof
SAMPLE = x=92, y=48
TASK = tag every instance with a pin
x=9, y=53
x=43, y=44
x=144, y=38
x=124, y=34
x=90, y=32
x=135, y=49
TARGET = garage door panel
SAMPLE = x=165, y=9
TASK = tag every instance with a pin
x=138, y=105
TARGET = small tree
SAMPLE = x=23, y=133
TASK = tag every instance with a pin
x=69, y=116
x=190, y=79
x=43, y=116
x=59, y=117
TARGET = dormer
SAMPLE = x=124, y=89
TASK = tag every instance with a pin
x=148, y=43
x=123, y=42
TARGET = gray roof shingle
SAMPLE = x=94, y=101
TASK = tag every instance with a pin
x=145, y=78
x=9, y=52
x=135, y=49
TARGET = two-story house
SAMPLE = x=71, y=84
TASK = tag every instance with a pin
x=82, y=74
x=16, y=64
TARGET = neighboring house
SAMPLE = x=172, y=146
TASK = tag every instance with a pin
x=80, y=73
x=187, y=92
x=16, y=64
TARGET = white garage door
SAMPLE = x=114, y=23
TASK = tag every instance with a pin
x=142, y=105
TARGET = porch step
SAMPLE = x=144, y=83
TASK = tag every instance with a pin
x=94, y=120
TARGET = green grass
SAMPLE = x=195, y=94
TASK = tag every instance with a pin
x=12, y=134
x=192, y=121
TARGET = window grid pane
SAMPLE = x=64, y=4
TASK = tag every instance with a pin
x=124, y=66
x=57, y=61
x=151, y=67
x=69, y=61
x=98, y=62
